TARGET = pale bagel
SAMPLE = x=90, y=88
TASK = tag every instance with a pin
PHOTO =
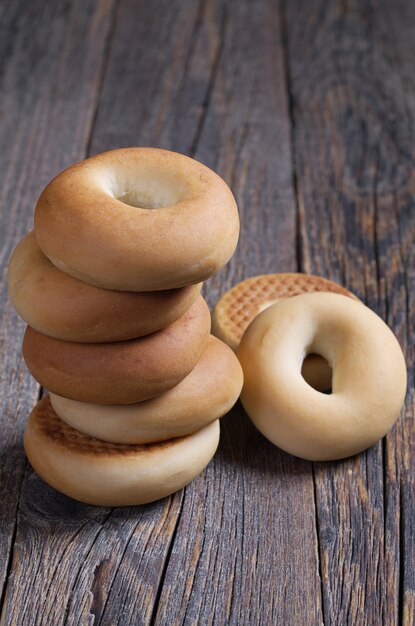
x=122, y=372
x=96, y=472
x=63, y=307
x=206, y=394
x=238, y=306
x=369, y=376
x=138, y=219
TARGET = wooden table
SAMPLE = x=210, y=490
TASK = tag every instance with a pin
x=307, y=109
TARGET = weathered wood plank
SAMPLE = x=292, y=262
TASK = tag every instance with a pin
x=50, y=57
x=247, y=545
x=239, y=545
x=80, y=554
x=67, y=557
x=203, y=104
x=353, y=111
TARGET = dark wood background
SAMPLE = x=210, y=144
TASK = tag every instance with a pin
x=307, y=109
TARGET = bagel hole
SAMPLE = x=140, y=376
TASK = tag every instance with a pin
x=149, y=190
x=142, y=200
x=317, y=372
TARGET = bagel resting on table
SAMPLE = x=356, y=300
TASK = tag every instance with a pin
x=104, y=474
x=137, y=219
x=64, y=307
x=206, y=394
x=122, y=372
x=369, y=376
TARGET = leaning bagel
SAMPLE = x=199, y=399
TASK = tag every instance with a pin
x=137, y=219
x=369, y=376
x=206, y=394
x=63, y=307
x=96, y=472
x=121, y=372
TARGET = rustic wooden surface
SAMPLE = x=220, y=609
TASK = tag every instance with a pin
x=307, y=109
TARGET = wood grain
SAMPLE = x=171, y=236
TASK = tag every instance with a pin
x=188, y=112
x=49, y=66
x=352, y=111
x=216, y=113
x=257, y=528
x=307, y=110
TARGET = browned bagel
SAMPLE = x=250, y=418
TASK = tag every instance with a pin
x=63, y=307
x=138, y=219
x=122, y=372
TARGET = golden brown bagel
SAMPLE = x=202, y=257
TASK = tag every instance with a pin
x=63, y=307
x=122, y=372
x=369, y=376
x=137, y=219
x=243, y=302
x=96, y=472
x=206, y=394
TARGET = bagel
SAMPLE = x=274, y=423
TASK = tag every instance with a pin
x=369, y=376
x=103, y=474
x=137, y=219
x=63, y=307
x=206, y=394
x=122, y=372
x=243, y=302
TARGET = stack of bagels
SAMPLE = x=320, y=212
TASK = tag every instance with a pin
x=109, y=284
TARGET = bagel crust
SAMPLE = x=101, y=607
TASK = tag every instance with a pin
x=103, y=474
x=138, y=219
x=121, y=372
x=63, y=307
x=369, y=376
x=206, y=394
